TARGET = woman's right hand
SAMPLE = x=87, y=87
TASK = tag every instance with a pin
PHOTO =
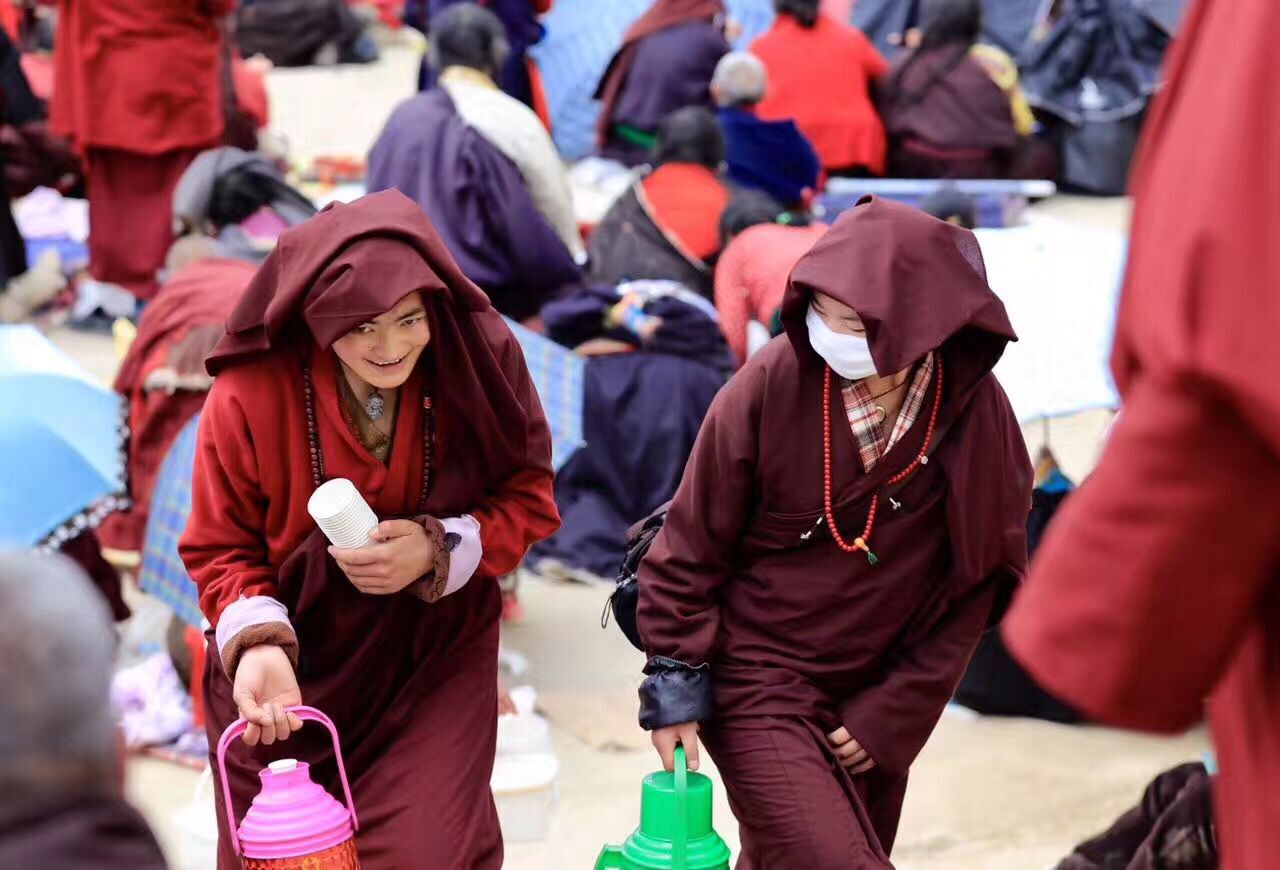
x=265, y=684
x=665, y=740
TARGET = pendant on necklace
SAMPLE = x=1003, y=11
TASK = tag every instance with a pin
x=374, y=405
x=881, y=414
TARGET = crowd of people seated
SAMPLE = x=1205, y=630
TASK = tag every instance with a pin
x=945, y=107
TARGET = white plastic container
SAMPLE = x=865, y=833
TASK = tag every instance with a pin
x=197, y=824
x=525, y=788
x=342, y=514
x=525, y=733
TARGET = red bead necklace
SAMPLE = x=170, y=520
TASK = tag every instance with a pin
x=862, y=542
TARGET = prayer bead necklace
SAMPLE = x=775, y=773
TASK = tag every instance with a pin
x=317, y=452
x=862, y=542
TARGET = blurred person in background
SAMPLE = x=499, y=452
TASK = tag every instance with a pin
x=667, y=226
x=303, y=32
x=61, y=774
x=465, y=41
x=772, y=156
x=518, y=76
x=483, y=169
x=953, y=206
x=229, y=206
x=821, y=74
x=762, y=244
x=1157, y=589
x=665, y=63
x=952, y=108
x=138, y=90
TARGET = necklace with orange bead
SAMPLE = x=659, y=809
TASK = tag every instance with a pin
x=863, y=542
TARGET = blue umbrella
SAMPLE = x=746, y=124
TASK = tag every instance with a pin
x=557, y=374
x=59, y=439
x=162, y=573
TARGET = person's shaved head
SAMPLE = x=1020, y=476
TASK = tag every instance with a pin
x=467, y=35
x=740, y=80
x=57, y=652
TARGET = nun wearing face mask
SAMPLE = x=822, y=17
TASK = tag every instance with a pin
x=851, y=520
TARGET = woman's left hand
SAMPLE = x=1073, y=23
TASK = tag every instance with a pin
x=399, y=554
x=849, y=752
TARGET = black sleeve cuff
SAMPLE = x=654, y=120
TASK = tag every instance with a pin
x=674, y=693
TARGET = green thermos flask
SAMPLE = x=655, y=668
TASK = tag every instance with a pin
x=675, y=830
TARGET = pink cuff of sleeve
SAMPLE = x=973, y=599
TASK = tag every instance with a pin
x=466, y=556
x=246, y=613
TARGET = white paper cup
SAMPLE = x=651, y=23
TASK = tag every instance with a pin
x=342, y=514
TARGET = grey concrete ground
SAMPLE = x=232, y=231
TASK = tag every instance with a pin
x=986, y=794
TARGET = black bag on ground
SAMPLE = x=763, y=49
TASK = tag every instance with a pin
x=626, y=594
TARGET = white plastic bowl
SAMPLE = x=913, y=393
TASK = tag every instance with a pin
x=525, y=790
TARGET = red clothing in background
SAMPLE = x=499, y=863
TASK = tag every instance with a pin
x=139, y=75
x=1159, y=584
x=200, y=297
x=751, y=277
x=686, y=201
x=821, y=78
x=138, y=89
x=131, y=214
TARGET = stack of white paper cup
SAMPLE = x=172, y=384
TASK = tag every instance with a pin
x=342, y=514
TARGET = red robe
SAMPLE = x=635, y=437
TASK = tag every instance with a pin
x=250, y=475
x=686, y=201
x=138, y=90
x=411, y=685
x=822, y=79
x=139, y=75
x=199, y=298
x=1158, y=585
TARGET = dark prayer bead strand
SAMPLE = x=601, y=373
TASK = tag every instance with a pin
x=922, y=458
x=428, y=450
x=313, y=434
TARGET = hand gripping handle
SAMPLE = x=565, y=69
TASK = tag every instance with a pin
x=237, y=728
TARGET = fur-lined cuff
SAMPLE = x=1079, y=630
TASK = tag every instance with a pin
x=255, y=621
x=674, y=693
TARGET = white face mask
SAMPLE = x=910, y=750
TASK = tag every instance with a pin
x=848, y=355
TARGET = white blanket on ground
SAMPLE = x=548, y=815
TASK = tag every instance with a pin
x=1060, y=283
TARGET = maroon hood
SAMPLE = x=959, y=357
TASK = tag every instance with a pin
x=918, y=284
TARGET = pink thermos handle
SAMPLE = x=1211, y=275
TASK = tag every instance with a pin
x=235, y=729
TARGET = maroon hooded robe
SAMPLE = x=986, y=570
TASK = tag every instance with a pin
x=409, y=679
x=773, y=637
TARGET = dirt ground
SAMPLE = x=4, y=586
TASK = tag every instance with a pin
x=986, y=794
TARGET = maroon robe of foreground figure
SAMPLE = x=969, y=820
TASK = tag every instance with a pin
x=1158, y=586
x=408, y=673
x=764, y=630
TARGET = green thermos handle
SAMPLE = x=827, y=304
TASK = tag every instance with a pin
x=680, y=847
x=610, y=859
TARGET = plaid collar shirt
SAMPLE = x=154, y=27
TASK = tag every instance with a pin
x=860, y=408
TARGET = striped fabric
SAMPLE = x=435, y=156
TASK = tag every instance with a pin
x=558, y=376
x=864, y=418
x=163, y=574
